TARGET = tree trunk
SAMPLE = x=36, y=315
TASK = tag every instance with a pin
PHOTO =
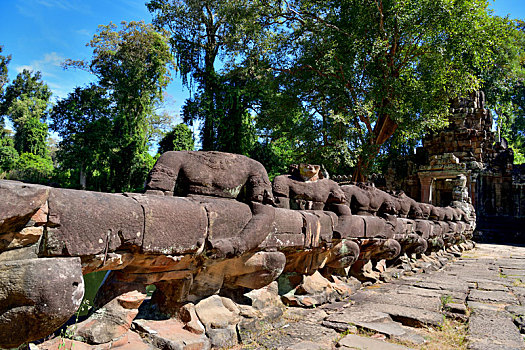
x=383, y=130
x=82, y=178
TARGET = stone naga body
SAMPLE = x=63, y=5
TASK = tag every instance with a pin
x=206, y=222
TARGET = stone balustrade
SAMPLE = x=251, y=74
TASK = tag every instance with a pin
x=207, y=222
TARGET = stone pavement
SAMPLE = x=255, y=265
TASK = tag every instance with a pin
x=448, y=300
x=483, y=291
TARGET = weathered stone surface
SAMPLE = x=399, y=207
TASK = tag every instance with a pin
x=30, y=252
x=493, y=330
x=474, y=305
x=293, y=333
x=394, y=298
x=107, y=222
x=410, y=316
x=353, y=341
x=315, y=290
x=25, y=237
x=368, y=200
x=293, y=193
x=59, y=343
x=378, y=249
x=217, y=312
x=287, y=230
x=258, y=271
x=498, y=297
x=115, y=285
x=263, y=313
x=170, y=335
x=220, y=317
x=457, y=308
x=516, y=310
x=36, y=297
x=430, y=293
x=215, y=174
x=111, y=321
x=358, y=316
x=251, y=236
x=188, y=315
x=173, y=231
x=343, y=254
x=20, y=201
x=443, y=285
x=265, y=297
x=310, y=345
x=490, y=286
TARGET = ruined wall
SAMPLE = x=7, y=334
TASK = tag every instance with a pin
x=468, y=148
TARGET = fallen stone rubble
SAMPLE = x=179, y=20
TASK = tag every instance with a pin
x=209, y=228
x=394, y=311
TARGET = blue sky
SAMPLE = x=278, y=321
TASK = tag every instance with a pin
x=40, y=34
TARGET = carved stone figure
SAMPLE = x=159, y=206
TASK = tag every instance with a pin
x=203, y=226
x=365, y=199
x=310, y=192
x=222, y=175
x=212, y=173
x=305, y=189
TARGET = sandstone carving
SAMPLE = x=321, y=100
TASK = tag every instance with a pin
x=206, y=224
x=304, y=189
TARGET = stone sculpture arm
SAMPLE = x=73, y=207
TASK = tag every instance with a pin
x=336, y=195
x=251, y=236
x=281, y=191
x=163, y=177
x=259, y=188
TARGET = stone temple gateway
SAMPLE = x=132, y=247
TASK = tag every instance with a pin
x=468, y=161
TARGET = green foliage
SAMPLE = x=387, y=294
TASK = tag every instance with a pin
x=26, y=86
x=225, y=114
x=377, y=67
x=25, y=102
x=31, y=136
x=84, y=120
x=8, y=158
x=4, y=62
x=132, y=65
x=275, y=155
x=504, y=85
x=32, y=168
x=8, y=153
x=201, y=31
x=178, y=139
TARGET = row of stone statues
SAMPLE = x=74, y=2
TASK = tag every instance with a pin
x=207, y=221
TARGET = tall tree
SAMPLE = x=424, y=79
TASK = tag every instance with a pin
x=133, y=65
x=379, y=66
x=201, y=32
x=8, y=154
x=25, y=102
x=178, y=139
x=84, y=120
x=4, y=61
x=504, y=85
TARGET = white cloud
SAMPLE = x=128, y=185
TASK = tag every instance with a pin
x=64, y=4
x=19, y=69
x=27, y=7
x=48, y=65
x=83, y=32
